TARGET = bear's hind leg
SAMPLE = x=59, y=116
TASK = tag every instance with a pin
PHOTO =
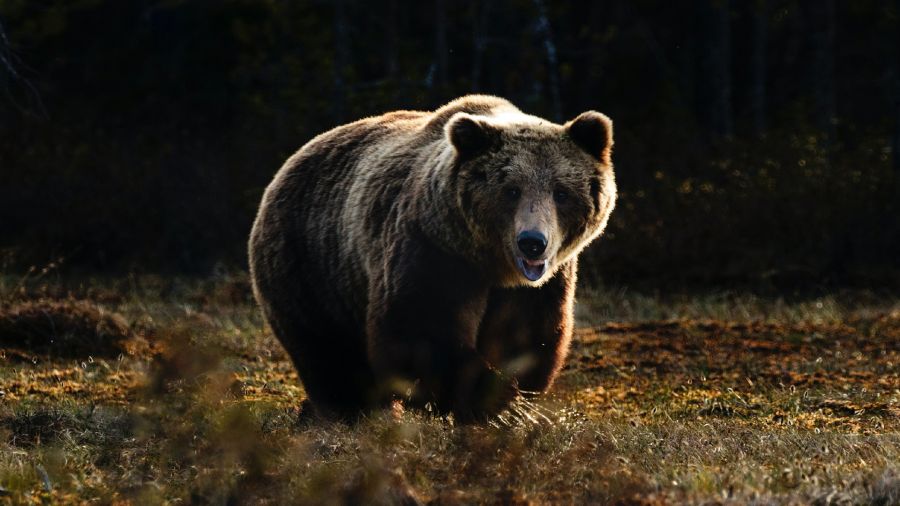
x=343, y=391
x=333, y=368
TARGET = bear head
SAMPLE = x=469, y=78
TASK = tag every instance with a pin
x=532, y=193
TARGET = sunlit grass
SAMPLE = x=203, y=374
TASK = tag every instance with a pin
x=621, y=304
x=723, y=397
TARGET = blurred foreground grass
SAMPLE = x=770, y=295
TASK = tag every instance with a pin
x=710, y=398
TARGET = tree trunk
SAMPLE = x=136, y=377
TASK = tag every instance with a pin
x=546, y=34
x=6, y=74
x=392, y=44
x=392, y=53
x=715, y=66
x=896, y=144
x=6, y=67
x=440, y=42
x=822, y=19
x=758, y=69
x=480, y=11
x=896, y=89
x=341, y=58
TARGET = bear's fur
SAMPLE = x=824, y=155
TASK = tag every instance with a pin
x=385, y=258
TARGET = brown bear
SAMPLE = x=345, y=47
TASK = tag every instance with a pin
x=431, y=255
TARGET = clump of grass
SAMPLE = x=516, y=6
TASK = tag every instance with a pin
x=34, y=424
x=390, y=459
x=65, y=328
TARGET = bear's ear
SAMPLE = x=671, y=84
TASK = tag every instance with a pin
x=592, y=131
x=470, y=135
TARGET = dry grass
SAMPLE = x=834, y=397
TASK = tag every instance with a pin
x=740, y=400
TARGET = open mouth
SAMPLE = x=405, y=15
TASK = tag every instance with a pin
x=532, y=269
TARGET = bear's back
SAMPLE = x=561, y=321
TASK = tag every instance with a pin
x=482, y=105
x=400, y=127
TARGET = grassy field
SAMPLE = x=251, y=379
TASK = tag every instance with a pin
x=149, y=390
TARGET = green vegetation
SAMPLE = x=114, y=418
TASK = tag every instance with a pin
x=739, y=399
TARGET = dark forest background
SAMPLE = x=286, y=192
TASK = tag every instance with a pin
x=757, y=142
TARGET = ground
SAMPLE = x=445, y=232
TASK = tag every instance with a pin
x=717, y=398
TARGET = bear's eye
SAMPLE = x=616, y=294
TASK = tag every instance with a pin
x=560, y=196
x=512, y=192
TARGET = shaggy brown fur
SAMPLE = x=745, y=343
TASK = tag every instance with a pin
x=385, y=255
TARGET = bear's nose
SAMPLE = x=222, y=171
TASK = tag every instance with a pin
x=532, y=243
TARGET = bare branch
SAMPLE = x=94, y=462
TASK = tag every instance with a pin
x=10, y=76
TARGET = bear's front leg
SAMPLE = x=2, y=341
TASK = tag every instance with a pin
x=424, y=311
x=526, y=331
